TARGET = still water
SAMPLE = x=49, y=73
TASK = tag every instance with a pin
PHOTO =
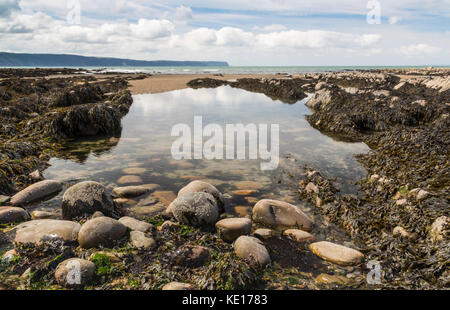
x=142, y=153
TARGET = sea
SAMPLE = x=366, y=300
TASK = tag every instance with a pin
x=240, y=69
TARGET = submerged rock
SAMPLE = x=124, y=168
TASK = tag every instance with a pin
x=9, y=215
x=86, y=198
x=280, y=215
x=41, y=231
x=199, y=186
x=75, y=273
x=232, y=228
x=337, y=254
x=130, y=191
x=101, y=231
x=42, y=215
x=196, y=209
x=252, y=250
x=36, y=192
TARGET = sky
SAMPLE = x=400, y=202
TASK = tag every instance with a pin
x=242, y=32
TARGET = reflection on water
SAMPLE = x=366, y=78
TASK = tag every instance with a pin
x=146, y=143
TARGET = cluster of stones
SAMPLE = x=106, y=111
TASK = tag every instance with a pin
x=199, y=204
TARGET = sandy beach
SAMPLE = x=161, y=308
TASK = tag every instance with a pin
x=162, y=83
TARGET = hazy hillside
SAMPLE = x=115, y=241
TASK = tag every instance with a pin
x=53, y=60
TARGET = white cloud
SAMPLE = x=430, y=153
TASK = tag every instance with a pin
x=420, y=49
x=152, y=29
x=271, y=28
x=183, y=13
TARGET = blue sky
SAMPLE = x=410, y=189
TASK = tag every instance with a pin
x=263, y=32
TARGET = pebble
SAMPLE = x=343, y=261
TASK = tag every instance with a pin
x=135, y=224
x=75, y=273
x=280, y=215
x=139, y=240
x=165, y=197
x=400, y=231
x=192, y=256
x=129, y=179
x=4, y=199
x=130, y=191
x=231, y=228
x=200, y=186
x=336, y=254
x=41, y=231
x=311, y=187
x=10, y=215
x=177, y=286
x=248, y=185
x=401, y=202
x=252, y=250
x=438, y=228
x=299, y=235
x=86, y=198
x=101, y=231
x=196, y=209
x=265, y=234
x=134, y=170
x=36, y=192
x=42, y=215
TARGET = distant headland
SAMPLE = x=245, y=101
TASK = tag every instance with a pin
x=63, y=60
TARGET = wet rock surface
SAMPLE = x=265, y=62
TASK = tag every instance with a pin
x=101, y=231
x=42, y=231
x=252, y=250
x=232, y=228
x=199, y=186
x=10, y=215
x=36, y=192
x=75, y=273
x=196, y=209
x=37, y=112
x=86, y=198
x=280, y=215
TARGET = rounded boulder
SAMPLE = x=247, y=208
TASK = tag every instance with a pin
x=86, y=198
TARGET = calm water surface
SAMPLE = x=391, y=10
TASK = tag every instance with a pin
x=144, y=147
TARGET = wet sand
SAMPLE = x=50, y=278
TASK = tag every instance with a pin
x=168, y=82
